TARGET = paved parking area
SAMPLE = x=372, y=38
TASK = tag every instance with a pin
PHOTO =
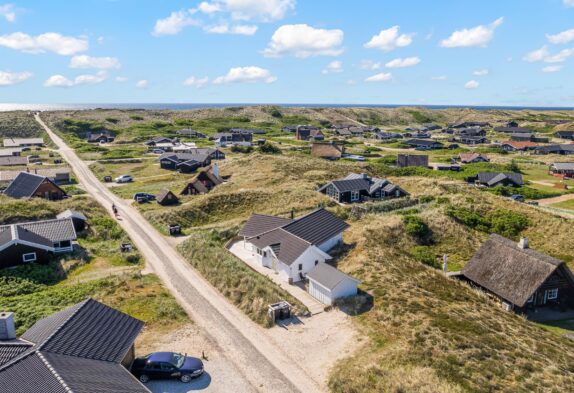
x=200, y=384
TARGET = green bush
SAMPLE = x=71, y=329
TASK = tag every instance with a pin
x=425, y=255
x=268, y=148
x=242, y=149
x=417, y=228
x=503, y=222
x=526, y=192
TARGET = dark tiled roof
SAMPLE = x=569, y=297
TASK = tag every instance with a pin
x=317, y=227
x=77, y=350
x=491, y=178
x=9, y=351
x=53, y=230
x=423, y=142
x=328, y=276
x=286, y=246
x=13, y=160
x=72, y=214
x=509, y=271
x=351, y=184
x=259, y=224
x=24, y=185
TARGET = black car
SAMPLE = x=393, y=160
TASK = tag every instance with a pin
x=143, y=197
x=167, y=365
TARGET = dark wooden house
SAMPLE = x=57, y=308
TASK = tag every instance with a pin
x=522, y=278
x=360, y=187
x=184, y=162
x=202, y=183
x=29, y=185
x=166, y=198
x=494, y=179
x=406, y=160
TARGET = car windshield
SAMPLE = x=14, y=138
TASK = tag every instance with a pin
x=178, y=360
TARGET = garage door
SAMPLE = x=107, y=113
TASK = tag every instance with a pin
x=319, y=293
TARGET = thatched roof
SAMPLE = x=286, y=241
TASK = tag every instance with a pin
x=509, y=271
x=327, y=150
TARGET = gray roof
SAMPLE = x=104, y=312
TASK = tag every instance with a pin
x=13, y=160
x=259, y=224
x=359, y=182
x=10, y=350
x=76, y=350
x=328, y=276
x=492, y=178
x=286, y=246
x=41, y=233
x=72, y=214
x=351, y=184
x=24, y=185
x=198, y=155
x=563, y=166
x=509, y=271
x=317, y=227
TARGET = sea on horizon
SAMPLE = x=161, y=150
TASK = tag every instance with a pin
x=7, y=107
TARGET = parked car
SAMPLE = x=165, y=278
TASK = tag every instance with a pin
x=124, y=179
x=167, y=365
x=157, y=151
x=143, y=197
x=422, y=148
x=533, y=203
x=517, y=198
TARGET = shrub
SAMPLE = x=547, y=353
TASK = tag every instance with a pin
x=241, y=149
x=527, y=192
x=112, y=120
x=269, y=148
x=501, y=221
x=417, y=228
x=425, y=255
x=136, y=117
x=276, y=113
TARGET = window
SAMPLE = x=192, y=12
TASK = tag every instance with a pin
x=552, y=294
x=531, y=299
x=354, y=196
x=30, y=257
x=300, y=266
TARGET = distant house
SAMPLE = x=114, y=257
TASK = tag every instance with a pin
x=512, y=130
x=329, y=151
x=468, y=124
x=361, y=187
x=382, y=136
x=100, y=138
x=468, y=158
x=528, y=137
x=306, y=133
x=328, y=284
x=562, y=168
x=190, y=133
x=57, y=175
x=522, y=278
x=28, y=185
x=406, y=160
x=494, y=179
x=431, y=126
x=512, y=124
x=21, y=142
x=13, y=161
x=289, y=128
x=87, y=347
x=293, y=247
x=472, y=140
x=236, y=138
x=424, y=143
x=78, y=219
x=518, y=146
x=564, y=135
x=11, y=152
x=35, y=241
x=344, y=132
x=555, y=149
x=471, y=131
x=205, y=180
x=160, y=139
x=184, y=162
x=166, y=198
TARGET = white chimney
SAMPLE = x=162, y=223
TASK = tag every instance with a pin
x=523, y=243
x=7, y=329
x=215, y=169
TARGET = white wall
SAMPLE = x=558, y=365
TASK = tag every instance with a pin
x=345, y=288
x=332, y=242
x=307, y=259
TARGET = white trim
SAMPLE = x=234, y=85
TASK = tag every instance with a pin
x=29, y=260
x=552, y=294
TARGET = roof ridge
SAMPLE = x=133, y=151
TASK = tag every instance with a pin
x=528, y=251
x=53, y=371
x=82, y=304
x=40, y=221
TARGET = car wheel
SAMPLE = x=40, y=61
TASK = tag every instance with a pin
x=143, y=378
x=185, y=378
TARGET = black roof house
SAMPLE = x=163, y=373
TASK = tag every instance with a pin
x=82, y=349
x=493, y=179
x=358, y=187
x=26, y=184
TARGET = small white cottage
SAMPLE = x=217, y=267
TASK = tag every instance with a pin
x=328, y=284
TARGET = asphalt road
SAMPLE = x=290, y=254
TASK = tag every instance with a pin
x=263, y=365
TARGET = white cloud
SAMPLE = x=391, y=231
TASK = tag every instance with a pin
x=476, y=36
x=389, y=39
x=333, y=67
x=536, y=55
x=246, y=75
x=142, y=84
x=482, y=72
x=174, y=23
x=84, y=61
x=561, y=38
x=439, y=78
x=304, y=41
x=13, y=78
x=8, y=12
x=225, y=29
x=47, y=42
x=472, y=84
x=217, y=29
x=560, y=57
x=369, y=65
x=568, y=3
x=244, y=29
x=550, y=69
x=258, y=10
x=121, y=79
x=196, y=82
x=381, y=77
x=402, y=63
x=351, y=82
x=62, y=81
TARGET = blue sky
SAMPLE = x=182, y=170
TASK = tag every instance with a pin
x=511, y=52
